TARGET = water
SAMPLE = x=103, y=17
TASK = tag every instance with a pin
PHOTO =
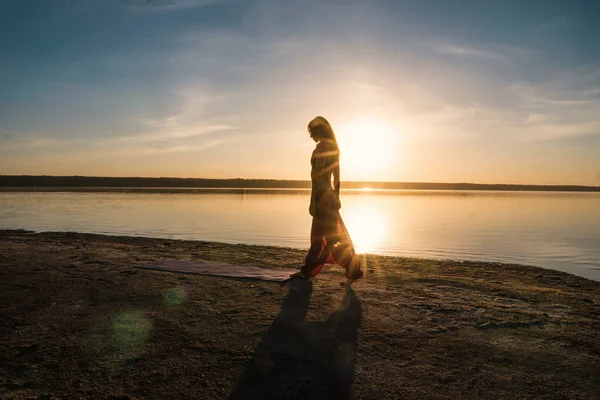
x=553, y=230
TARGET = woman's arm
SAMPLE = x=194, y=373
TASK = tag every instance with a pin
x=336, y=180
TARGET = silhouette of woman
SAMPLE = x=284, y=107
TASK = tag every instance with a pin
x=329, y=239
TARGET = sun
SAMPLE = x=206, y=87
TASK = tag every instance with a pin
x=367, y=148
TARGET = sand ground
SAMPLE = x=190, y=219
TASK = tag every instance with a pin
x=78, y=320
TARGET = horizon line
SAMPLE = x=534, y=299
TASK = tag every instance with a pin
x=302, y=181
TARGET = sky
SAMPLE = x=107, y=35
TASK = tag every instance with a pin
x=484, y=91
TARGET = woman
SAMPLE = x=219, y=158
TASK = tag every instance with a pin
x=329, y=240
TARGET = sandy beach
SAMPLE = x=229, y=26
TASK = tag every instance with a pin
x=80, y=321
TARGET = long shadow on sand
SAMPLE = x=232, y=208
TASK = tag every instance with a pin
x=304, y=360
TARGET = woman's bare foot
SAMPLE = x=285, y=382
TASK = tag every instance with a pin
x=348, y=282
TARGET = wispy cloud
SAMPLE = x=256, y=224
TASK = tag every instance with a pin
x=29, y=142
x=465, y=51
x=568, y=87
x=171, y=132
x=545, y=132
x=166, y=5
x=141, y=151
x=533, y=97
x=535, y=118
x=590, y=92
x=550, y=94
x=191, y=120
x=557, y=110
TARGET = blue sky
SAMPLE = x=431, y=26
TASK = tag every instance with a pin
x=495, y=91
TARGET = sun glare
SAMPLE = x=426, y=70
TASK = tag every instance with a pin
x=367, y=147
x=367, y=227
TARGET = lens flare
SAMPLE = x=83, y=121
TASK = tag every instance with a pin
x=130, y=331
x=175, y=296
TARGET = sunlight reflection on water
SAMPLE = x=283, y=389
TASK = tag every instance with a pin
x=553, y=230
x=367, y=227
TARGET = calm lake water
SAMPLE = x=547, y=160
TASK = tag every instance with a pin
x=552, y=230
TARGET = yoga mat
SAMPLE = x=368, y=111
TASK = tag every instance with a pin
x=220, y=269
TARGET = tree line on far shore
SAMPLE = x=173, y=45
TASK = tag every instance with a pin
x=96, y=181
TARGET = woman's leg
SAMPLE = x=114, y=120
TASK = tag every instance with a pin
x=344, y=253
x=345, y=256
x=313, y=262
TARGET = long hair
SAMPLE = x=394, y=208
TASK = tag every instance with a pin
x=320, y=129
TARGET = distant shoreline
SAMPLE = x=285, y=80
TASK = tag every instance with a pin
x=52, y=183
x=286, y=191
